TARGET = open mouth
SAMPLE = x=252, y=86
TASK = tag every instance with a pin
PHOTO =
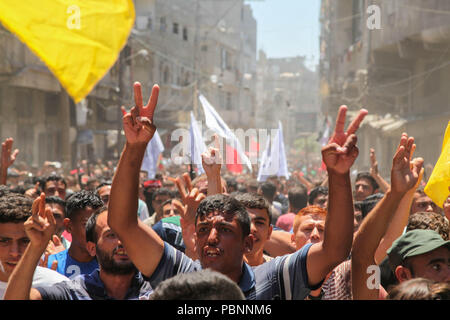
x=212, y=252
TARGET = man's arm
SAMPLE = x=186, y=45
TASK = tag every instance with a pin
x=384, y=186
x=39, y=228
x=212, y=163
x=279, y=244
x=7, y=158
x=404, y=176
x=398, y=222
x=143, y=245
x=339, y=155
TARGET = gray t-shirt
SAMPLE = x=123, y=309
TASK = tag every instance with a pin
x=42, y=277
x=282, y=278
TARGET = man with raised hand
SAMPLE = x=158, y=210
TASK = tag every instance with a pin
x=404, y=176
x=7, y=158
x=117, y=277
x=222, y=225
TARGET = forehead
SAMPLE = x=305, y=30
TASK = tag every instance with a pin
x=257, y=213
x=102, y=222
x=422, y=198
x=83, y=214
x=105, y=190
x=363, y=181
x=12, y=230
x=216, y=216
x=53, y=183
x=55, y=206
x=439, y=253
x=312, y=218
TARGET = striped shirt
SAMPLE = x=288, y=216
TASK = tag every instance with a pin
x=282, y=278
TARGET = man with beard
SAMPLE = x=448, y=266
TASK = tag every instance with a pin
x=116, y=278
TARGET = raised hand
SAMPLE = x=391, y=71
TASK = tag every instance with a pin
x=341, y=152
x=8, y=157
x=212, y=159
x=138, y=123
x=191, y=198
x=373, y=162
x=41, y=226
x=405, y=172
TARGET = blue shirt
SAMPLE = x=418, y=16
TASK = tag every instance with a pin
x=282, y=278
x=91, y=287
x=69, y=266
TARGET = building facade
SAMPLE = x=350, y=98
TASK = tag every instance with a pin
x=392, y=58
x=185, y=46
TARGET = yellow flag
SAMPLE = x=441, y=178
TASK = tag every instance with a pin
x=79, y=40
x=437, y=187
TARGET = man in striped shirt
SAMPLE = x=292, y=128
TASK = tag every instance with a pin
x=222, y=225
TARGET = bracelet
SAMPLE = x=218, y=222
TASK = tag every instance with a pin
x=319, y=297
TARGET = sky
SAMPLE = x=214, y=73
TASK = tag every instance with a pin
x=288, y=28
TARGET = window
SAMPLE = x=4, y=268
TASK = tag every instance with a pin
x=51, y=104
x=162, y=24
x=149, y=23
x=358, y=16
x=166, y=75
x=175, y=28
x=185, y=34
x=23, y=104
x=228, y=101
x=225, y=60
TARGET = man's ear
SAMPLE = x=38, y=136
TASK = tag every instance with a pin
x=402, y=274
x=67, y=225
x=270, y=232
x=248, y=243
x=293, y=239
x=90, y=246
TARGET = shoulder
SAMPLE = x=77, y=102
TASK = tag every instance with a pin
x=45, y=276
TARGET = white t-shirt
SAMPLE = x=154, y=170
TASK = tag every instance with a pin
x=42, y=277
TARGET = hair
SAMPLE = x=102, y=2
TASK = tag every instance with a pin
x=227, y=205
x=368, y=203
x=298, y=197
x=4, y=190
x=251, y=184
x=366, y=175
x=161, y=192
x=268, y=190
x=254, y=201
x=200, y=285
x=320, y=190
x=57, y=200
x=91, y=235
x=420, y=190
x=52, y=177
x=431, y=221
x=231, y=183
x=309, y=210
x=420, y=289
x=81, y=200
x=15, y=208
x=102, y=184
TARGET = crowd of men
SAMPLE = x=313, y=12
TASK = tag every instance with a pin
x=105, y=231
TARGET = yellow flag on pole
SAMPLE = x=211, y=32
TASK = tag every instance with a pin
x=79, y=40
x=437, y=187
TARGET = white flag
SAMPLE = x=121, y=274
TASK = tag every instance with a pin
x=273, y=161
x=196, y=144
x=283, y=168
x=154, y=148
x=215, y=123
